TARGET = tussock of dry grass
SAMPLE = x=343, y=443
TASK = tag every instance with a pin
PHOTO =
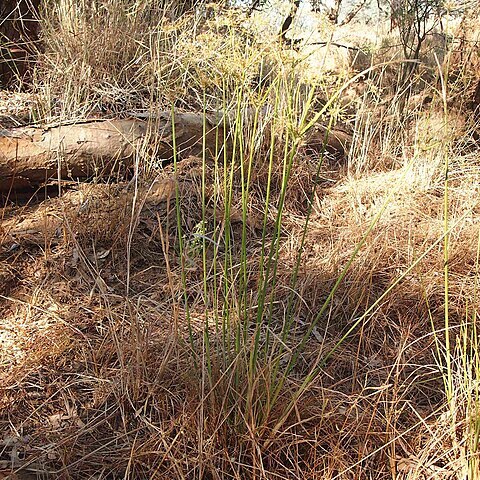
x=115, y=362
x=89, y=367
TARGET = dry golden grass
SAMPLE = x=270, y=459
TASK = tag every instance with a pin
x=104, y=379
x=112, y=364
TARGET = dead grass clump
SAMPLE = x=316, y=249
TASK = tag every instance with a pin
x=130, y=386
x=159, y=59
x=264, y=312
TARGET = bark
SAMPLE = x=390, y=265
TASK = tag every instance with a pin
x=31, y=156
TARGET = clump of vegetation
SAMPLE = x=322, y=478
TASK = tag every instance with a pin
x=268, y=308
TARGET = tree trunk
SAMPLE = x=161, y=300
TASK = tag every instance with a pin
x=31, y=156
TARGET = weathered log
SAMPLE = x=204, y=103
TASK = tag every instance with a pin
x=33, y=156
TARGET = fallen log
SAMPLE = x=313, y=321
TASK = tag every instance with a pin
x=32, y=156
